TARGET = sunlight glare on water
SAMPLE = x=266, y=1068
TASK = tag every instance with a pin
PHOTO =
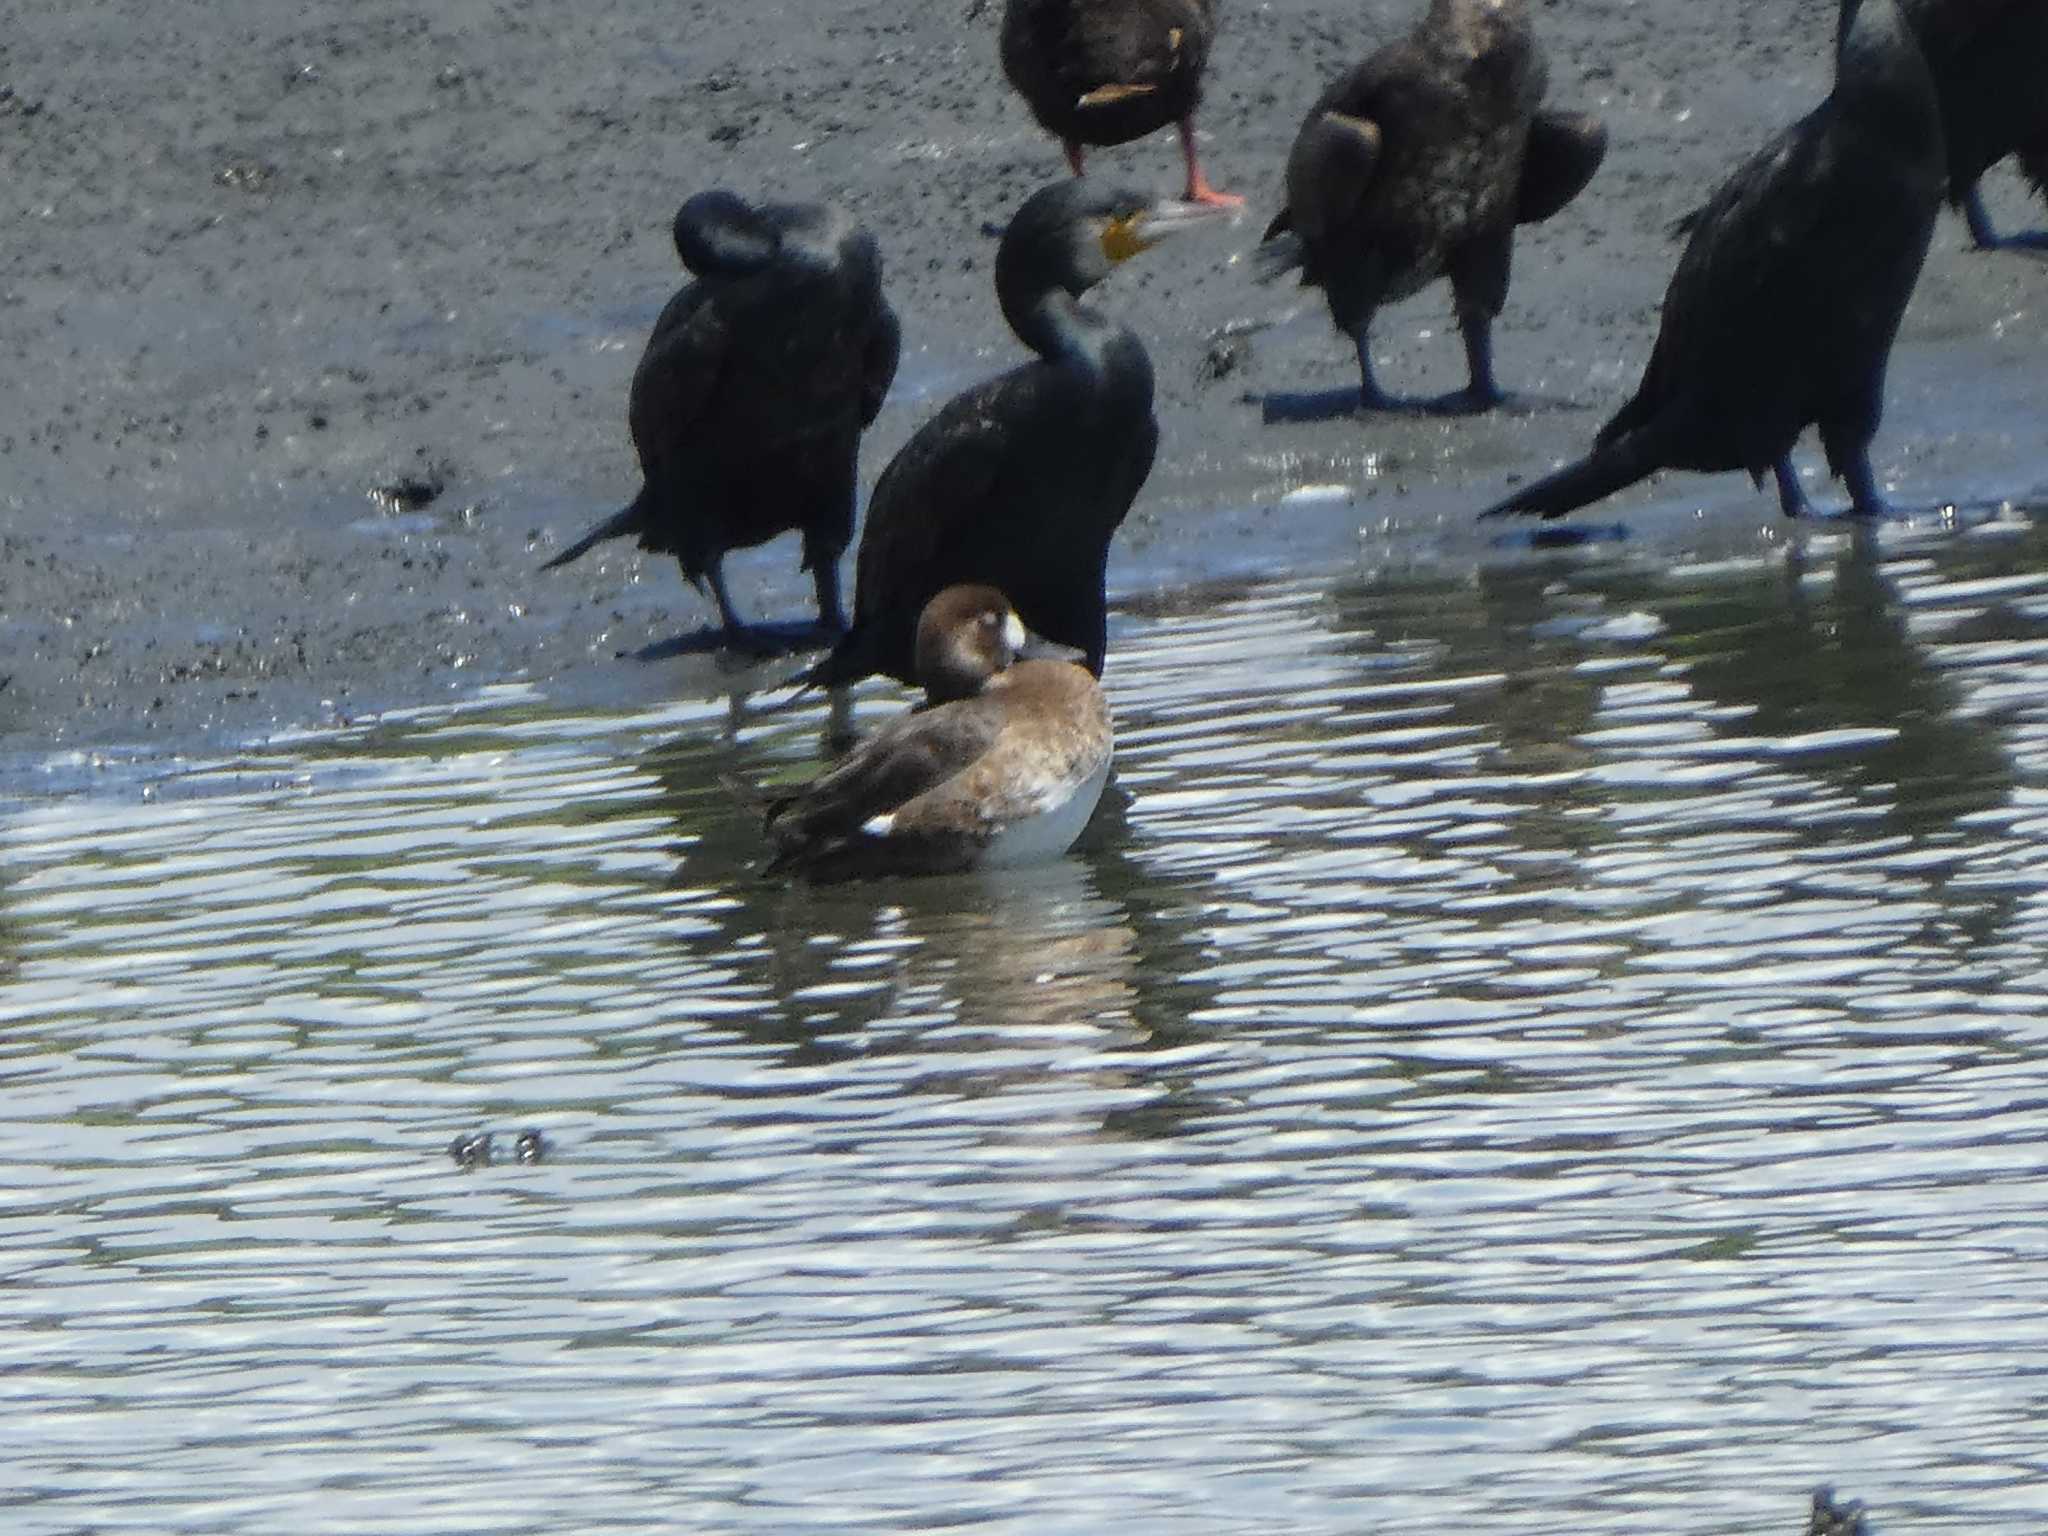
x=1559, y=1048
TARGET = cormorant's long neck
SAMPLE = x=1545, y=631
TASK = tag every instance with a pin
x=1882, y=76
x=1061, y=329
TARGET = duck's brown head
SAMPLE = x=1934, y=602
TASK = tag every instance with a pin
x=966, y=636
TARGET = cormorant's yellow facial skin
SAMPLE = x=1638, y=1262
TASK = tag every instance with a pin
x=1123, y=238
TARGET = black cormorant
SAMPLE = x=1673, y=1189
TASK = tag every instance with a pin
x=748, y=404
x=1418, y=164
x=1109, y=71
x=1989, y=60
x=1002, y=765
x=1790, y=290
x=1021, y=481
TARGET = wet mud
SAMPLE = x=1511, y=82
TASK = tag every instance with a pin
x=323, y=328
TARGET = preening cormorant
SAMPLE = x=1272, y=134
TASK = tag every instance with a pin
x=1109, y=71
x=748, y=404
x=1418, y=164
x=1989, y=60
x=1785, y=303
x=1020, y=482
x=1002, y=765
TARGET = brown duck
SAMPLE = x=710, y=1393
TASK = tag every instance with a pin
x=1002, y=765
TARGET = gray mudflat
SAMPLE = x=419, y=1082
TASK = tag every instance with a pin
x=321, y=331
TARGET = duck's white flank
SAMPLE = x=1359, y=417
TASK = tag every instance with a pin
x=1051, y=832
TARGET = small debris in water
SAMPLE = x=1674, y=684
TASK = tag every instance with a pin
x=1832, y=1519
x=472, y=1150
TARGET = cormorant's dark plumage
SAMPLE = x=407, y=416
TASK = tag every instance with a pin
x=1020, y=482
x=1109, y=71
x=748, y=404
x=1989, y=60
x=1785, y=303
x=1418, y=164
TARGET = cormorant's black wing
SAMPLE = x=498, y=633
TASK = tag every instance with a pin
x=678, y=377
x=1564, y=150
x=960, y=469
x=1755, y=250
x=878, y=361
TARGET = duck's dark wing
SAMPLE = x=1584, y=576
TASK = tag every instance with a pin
x=1565, y=149
x=909, y=756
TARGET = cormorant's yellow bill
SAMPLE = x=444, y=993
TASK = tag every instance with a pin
x=1128, y=234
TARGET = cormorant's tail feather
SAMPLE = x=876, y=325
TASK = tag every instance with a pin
x=1602, y=472
x=628, y=519
x=1277, y=255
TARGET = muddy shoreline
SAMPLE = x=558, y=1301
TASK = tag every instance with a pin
x=324, y=330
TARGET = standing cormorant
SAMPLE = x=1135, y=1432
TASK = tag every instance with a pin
x=1790, y=290
x=1989, y=60
x=1021, y=481
x=748, y=404
x=1002, y=765
x=1109, y=71
x=1418, y=164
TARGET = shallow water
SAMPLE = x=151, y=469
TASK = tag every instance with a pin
x=1560, y=1048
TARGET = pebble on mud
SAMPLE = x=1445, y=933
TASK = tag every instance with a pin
x=408, y=493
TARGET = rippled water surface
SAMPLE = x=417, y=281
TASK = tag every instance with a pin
x=1555, y=1049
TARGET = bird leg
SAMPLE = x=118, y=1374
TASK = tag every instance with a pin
x=1370, y=396
x=825, y=577
x=1073, y=149
x=1791, y=494
x=739, y=635
x=1476, y=326
x=1982, y=230
x=1198, y=189
x=1865, y=499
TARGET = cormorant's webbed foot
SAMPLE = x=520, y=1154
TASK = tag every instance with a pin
x=1984, y=234
x=1198, y=188
x=1982, y=231
x=754, y=642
